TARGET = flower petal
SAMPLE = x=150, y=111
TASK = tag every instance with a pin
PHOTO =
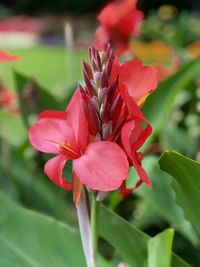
x=53, y=169
x=126, y=134
x=77, y=120
x=103, y=167
x=136, y=160
x=46, y=134
x=131, y=105
x=133, y=135
x=54, y=114
x=140, y=80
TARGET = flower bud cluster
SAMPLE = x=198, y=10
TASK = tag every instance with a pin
x=102, y=102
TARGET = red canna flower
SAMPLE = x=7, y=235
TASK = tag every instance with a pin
x=101, y=130
x=136, y=82
x=6, y=57
x=118, y=22
x=100, y=165
x=7, y=98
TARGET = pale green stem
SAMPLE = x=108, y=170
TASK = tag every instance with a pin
x=94, y=213
x=85, y=230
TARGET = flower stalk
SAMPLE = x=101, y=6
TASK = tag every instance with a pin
x=94, y=226
x=85, y=230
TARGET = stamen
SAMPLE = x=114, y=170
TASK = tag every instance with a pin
x=67, y=149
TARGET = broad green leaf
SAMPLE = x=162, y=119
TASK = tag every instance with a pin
x=161, y=199
x=32, y=97
x=36, y=191
x=129, y=242
x=28, y=239
x=186, y=183
x=160, y=103
x=160, y=249
x=8, y=186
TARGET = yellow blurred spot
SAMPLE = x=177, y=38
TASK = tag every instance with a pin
x=167, y=12
x=194, y=49
x=141, y=101
x=155, y=51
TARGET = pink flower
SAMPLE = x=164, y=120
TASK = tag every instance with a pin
x=118, y=22
x=101, y=129
x=100, y=165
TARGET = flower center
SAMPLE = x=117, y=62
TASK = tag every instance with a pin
x=68, y=150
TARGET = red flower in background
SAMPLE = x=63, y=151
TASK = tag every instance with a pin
x=101, y=130
x=8, y=98
x=118, y=22
x=6, y=57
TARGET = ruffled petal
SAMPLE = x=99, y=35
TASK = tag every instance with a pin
x=126, y=134
x=136, y=159
x=131, y=105
x=139, y=80
x=53, y=169
x=103, y=167
x=134, y=135
x=77, y=120
x=46, y=135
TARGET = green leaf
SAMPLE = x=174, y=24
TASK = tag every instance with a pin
x=28, y=239
x=160, y=103
x=161, y=199
x=32, y=97
x=44, y=196
x=129, y=242
x=186, y=183
x=175, y=138
x=160, y=249
x=12, y=128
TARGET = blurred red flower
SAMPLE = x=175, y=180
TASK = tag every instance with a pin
x=7, y=98
x=118, y=22
x=7, y=57
x=102, y=128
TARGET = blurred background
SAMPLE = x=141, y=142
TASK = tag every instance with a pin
x=51, y=38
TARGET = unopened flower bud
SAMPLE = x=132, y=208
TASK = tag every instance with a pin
x=95, y=102
x=106, y=130
x=101, y=94
x=102, y=57
x=97, y=78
